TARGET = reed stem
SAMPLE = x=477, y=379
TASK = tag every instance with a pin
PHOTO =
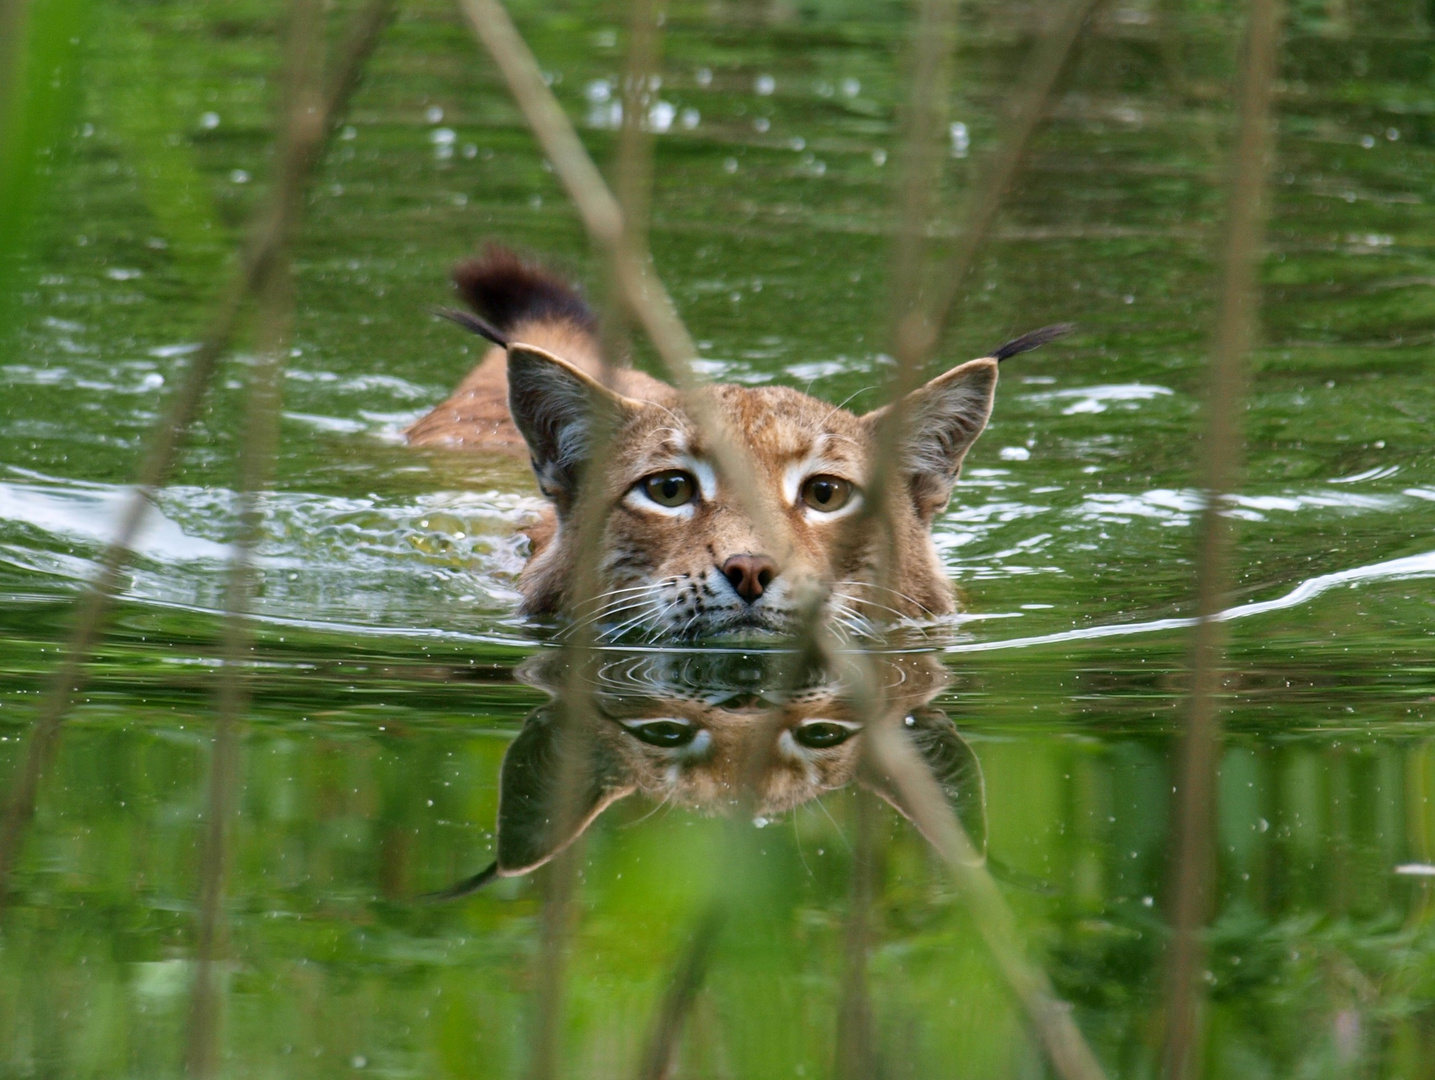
x=1193, y=866
x=269, y=231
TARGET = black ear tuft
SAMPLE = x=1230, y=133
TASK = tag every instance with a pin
x=466, y=887
x=1034, y=340
x=481, y=327
x=507, y=291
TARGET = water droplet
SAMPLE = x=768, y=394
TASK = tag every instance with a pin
x=961, y=139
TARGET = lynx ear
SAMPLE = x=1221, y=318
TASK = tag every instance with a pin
x=562, y=413
x=941, y=420
x=536, y=819
x=953, y=765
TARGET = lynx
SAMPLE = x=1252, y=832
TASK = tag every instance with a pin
x=680, y=554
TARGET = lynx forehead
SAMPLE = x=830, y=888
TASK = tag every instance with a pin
x=680, y=552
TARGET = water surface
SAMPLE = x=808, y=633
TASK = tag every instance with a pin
x=395, y=674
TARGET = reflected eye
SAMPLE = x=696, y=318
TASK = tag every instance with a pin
x=663, y=733
x=820, y=734
x=826, y=493
x=671, y=488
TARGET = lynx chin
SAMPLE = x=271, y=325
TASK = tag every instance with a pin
x=679, y=554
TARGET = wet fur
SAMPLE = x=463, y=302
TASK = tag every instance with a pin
x=551, y=392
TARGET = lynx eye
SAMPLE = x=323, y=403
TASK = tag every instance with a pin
x=820, y=734
x=663, y=732
x=670, y=488
x=826, y=493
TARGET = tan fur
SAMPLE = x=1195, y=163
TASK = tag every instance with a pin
x=661, y=571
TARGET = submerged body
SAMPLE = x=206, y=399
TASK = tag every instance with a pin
x=682, y=549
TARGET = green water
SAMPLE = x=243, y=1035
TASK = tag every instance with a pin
x=395, y=674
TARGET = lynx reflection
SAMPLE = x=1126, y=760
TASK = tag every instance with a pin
x=707, y=731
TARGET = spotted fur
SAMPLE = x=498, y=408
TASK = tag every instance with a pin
x=667, y=571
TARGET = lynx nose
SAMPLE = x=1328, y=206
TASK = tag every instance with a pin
x=749, y=575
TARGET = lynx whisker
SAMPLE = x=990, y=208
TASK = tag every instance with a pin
x=653, y=613
x=624, y=618
x=610, y=613
x=926, y=612
x=605, y=596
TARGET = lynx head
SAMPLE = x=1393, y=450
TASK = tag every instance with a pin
x=681, y=546
x=686, y=551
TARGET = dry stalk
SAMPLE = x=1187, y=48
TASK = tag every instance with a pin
x=560, y=880
x=918, y=328
x=1051, y=1017
x=926, y=115
x=634, y=276
x=302, y=101
x=1193, y=865
x=923, y=329
x=201, y=1053
x=636, y=290
x=633, y=172
x=269, y=232
x=925, y=119
x=920, y=323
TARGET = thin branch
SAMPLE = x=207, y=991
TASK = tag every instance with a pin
x=633, y=175
x=560, y=879
x=637, y=290
x=1051, y=1017
x=1193, y=867
x=920, y=169
x=921, y=322
x=633, y=273
x=922, y=329
x=270, y=230
x=302, y=99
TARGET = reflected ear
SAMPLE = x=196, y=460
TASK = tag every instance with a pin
x=561, y=413
x=954, y=766
x=535, y=819
x=941, y=420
